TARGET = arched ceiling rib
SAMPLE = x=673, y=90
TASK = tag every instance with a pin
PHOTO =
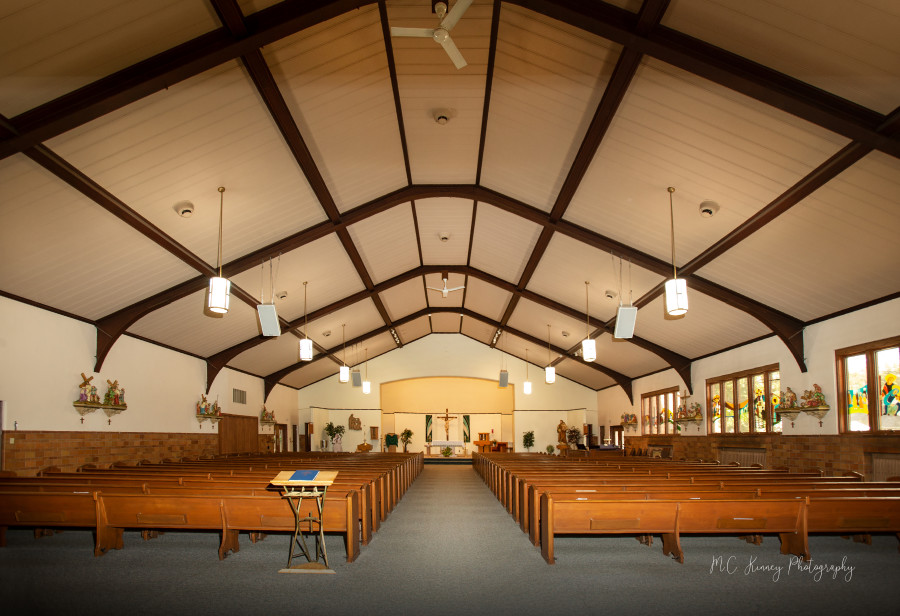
x=640, y=36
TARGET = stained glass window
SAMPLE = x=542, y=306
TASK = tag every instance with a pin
x=870, y=391
x=744, y=402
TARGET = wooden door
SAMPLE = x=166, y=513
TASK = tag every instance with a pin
x=617, y=434
x=280, y=438
x=238, y=434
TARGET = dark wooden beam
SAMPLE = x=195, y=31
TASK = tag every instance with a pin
x=273, y=379
x=395, y=88
x=724, y=68
x=166, y=69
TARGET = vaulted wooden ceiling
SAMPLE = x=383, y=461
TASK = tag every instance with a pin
x=563, y=133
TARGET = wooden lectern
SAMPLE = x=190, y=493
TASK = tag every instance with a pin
x=295, y=486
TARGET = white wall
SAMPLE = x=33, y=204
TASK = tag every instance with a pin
x=42, y=356
x=820, y=342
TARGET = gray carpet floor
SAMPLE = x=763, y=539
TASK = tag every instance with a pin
x=449, y=547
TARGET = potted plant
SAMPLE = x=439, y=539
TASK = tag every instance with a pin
x=528, y=440
x=333, y=432
x=572, y=435
x=405, y=438
x=550, y=449
x=446, y=452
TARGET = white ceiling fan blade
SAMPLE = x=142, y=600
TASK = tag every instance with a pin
x=456, y=289
x=417, y=32
x=433, y=289
x=455, y=13
x=452, y=51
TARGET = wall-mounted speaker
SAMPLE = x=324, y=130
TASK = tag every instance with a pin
x=355, y=378
x=268, y=320
x=504, y=378
x=625, y=318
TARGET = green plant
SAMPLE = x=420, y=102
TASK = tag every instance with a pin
x=405, y=438
x=446, y=452
x=550, y=449
x=333, y=431
x=528, y=440
x=573, y=435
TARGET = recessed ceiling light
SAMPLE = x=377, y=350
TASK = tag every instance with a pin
x=185, y=209
x=708, y=208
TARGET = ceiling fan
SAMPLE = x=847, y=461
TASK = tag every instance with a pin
x=441, y=34
x=445, y=290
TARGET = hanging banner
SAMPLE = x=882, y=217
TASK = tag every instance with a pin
x=467, y=436
x=427, y=428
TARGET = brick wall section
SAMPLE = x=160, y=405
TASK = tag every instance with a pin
x=34, y=450
x=834, y=453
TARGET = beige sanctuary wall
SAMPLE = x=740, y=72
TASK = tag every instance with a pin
x=453, y=355
x=42, y=356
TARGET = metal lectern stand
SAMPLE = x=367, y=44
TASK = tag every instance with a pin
x=295, y=487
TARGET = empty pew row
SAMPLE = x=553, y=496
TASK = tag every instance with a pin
x=864, y=507
x=212, y=495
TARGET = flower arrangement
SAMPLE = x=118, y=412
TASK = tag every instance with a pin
x=446, y=452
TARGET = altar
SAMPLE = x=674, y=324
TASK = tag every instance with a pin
x=441, y=444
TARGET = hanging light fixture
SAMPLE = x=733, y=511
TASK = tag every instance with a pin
x=676, y=288
x=219, y=287
x=526, y=386
x=549, y=371
x=588, y=345
x=306, y=345
x=344, y=376
x=367, y=385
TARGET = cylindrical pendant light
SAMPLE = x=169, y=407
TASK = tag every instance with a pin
x=367, y=385
x=588, y=345
x=344, y=375
x=676, y=288
x=306, y=345
x=219, y=287
x=526, y=386
x=549, y=371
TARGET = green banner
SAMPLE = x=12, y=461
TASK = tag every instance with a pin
x=427, y=428
x=467, y=436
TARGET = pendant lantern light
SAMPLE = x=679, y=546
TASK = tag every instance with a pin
x=676, y=288
x=344, y=376
x=549, y=371
x=306, y=345
x=219, y=287
x=367, y=385
x=526, y=386
x=588, y=345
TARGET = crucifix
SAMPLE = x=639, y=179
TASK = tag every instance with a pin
x=447, y=417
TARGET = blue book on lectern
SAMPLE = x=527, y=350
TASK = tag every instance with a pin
x=304, y=475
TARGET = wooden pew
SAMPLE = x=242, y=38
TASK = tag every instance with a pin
x=671, y=519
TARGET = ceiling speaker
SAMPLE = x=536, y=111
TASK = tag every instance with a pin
x=504, y=378
x=625, y=318
x=268, y=320
x=355, y=378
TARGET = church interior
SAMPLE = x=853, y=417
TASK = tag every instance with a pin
x=507, y=247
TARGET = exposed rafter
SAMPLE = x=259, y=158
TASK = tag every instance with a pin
x=622, y=380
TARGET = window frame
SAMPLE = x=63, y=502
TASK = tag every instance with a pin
x=654, y=395
x=733, y=378
x=840, y=356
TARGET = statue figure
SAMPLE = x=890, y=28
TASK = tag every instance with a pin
x=561, y=431
x=355, y=422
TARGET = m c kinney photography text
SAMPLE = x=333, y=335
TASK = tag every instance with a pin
x=792, y=565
